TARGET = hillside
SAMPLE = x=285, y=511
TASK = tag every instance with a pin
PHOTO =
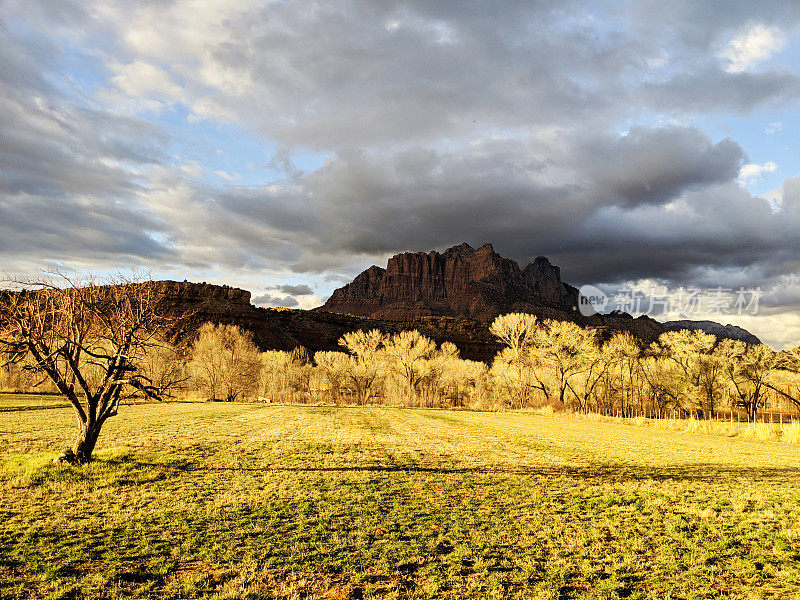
x=449, y=297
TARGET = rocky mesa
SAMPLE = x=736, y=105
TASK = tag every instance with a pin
x=459, y=282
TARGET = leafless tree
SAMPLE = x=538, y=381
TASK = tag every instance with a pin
x=747, y=369
x=90, y=337
x=698, y=374
x=560, y=347
x=516, y=368
x=225, y=362
x=409, y=355
x=787, y=361
x=364, y=369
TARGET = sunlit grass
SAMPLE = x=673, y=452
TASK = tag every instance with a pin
x=249, y=501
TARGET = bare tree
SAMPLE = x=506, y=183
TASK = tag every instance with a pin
x=409, y=354
x=560, y=347
x=594, y=365
x=692, y=354
x=787, y=361
x=333, y=366
x=225, y=362
x=624, y=353
x=747, y=369
x=364, y=369
x=515, y=331
x=90, y=338
x=515, y=367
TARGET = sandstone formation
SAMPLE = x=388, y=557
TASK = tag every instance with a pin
x=460, y=282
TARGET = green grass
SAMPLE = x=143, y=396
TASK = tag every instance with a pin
x=258, y=501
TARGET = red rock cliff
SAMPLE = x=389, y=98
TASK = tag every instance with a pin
x=462, y=281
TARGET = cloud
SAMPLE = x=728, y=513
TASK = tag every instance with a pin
x=69, y=171
x=757, y=44
x=326, y=75
x=752, y=172
x=288, y=296
x=378, y=127
x=654, y=165
x=295, y=290
x=193, y=168
x=275, y=301
x=566, y=197
x=148, y=86
x=226, y=176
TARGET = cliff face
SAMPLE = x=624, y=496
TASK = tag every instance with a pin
x=283, y=329
x=463, y=282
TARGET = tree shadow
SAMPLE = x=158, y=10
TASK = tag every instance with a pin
x=619, y=473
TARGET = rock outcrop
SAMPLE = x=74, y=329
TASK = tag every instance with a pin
x=460, y=282
x=718, y=329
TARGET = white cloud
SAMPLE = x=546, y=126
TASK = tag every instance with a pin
x=774, y=128
x=752, y=172
x=141, y=78
x=756, y=45
x=226, y=175
x=771, y=322
x=192, y=168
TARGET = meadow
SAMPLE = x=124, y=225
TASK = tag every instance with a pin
x=244, y=500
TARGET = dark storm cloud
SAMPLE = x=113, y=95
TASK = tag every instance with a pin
x=687, y=224
x=652, y=166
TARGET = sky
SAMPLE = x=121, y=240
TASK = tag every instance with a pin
x=285, y=146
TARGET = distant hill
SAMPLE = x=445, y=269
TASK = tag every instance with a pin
x=721, y=331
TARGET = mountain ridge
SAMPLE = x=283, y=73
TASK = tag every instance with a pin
x=285, y=329
x=729, y=331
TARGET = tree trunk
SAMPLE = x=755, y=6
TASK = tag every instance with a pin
x=85, y=442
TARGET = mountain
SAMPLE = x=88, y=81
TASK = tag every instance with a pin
x=285, y=329
x=721, y=331
x=449, y=297
x=460, y=282
x=479, y=285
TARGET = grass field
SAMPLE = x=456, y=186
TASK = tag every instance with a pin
x=258, y=501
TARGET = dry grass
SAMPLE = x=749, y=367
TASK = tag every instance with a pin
x=264, y=501
x=788, y=432
x=791, y=433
